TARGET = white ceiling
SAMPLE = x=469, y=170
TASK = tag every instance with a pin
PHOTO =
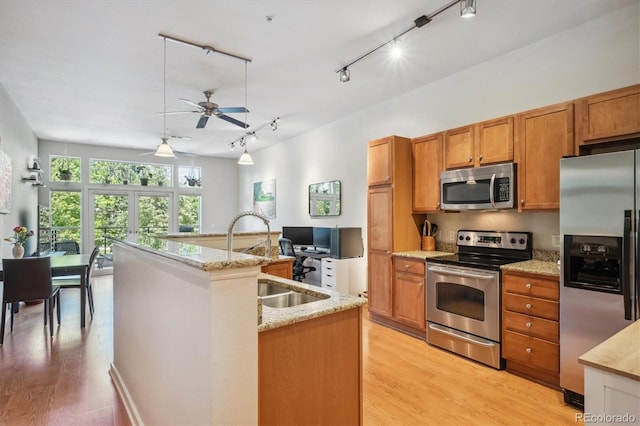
x=92, y=71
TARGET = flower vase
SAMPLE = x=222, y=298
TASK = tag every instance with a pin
x=18, y=251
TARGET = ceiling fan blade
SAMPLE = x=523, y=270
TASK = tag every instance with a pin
x=177, y=112
x=146, y=153
x=233, y=109
x=191, y=103
x=202, y=122
x=233, y=121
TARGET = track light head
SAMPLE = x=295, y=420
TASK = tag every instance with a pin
x=468, y=8
x=345, y=75
x=421, y=21
x=274, y=125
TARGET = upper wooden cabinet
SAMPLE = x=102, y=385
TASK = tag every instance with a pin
x=543, y=137
x=608, y=116
x=427, y=165
x=382, y=164
x=479, y=144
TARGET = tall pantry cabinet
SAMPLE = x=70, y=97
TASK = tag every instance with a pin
x=390, y=224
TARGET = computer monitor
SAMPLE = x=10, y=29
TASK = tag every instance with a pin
x=299, y=235
x=322, y=237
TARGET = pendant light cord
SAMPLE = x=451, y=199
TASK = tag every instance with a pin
x=164, y=91
x=245, y=97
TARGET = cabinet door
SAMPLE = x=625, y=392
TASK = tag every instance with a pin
x=380, y=290
x=608, y=116
x=380, y=218
x=409, y=302
x=427, y=165
x=544, y=136
x=495, y=141
x=459, y=148
x=380, y=162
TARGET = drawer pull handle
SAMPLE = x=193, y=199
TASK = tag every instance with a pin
x=528, y=325
x=529, y=350
x=407, y=266
x=528, y=285
x=329, y=275
x=528, y=305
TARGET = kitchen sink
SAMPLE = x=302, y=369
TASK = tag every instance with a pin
x=268, y=289
x=291, y=298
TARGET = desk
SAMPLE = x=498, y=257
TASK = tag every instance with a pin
x=74, y=264
x=317, y=256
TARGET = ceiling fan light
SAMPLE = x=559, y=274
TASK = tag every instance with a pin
x=468, y=8
x=245, y=159
x=164, y=150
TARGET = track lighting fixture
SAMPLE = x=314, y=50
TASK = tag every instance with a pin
x=274, y=125
x=468, y=8
x=465, y=5
x=396, y=48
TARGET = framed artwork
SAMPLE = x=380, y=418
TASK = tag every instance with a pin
x=5, y=183
x=264, y=198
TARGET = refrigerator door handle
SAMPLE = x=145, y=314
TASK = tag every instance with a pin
x=626, y=266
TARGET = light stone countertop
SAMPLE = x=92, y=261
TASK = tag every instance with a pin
x=420, y=254
x=217, y=234
x=279, y=317
x=618, y=354
x=541, y=267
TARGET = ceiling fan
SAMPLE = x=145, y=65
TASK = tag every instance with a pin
x=208, y=108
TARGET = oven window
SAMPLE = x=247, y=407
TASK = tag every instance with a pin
x=460, y=300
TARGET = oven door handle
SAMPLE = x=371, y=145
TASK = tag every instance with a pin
x=447, y=271
x=461, y=336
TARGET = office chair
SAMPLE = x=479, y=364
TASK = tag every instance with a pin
x=29, y=279
x=68, y=247
x=300, y=271
x=73, y=281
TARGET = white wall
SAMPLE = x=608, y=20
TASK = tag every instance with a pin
x=597, y=56
x=20, y=143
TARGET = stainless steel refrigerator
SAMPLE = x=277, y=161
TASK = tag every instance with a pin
x=599, y=202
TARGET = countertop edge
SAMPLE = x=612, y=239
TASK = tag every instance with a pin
x=538, y=267
x=421, y=254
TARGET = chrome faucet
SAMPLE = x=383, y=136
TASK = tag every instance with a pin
x=232, y=224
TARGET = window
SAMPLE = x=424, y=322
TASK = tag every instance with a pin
x=189, y=213
x=189, y=176
x=64, y=169
x=126, y=172
x=65, y=216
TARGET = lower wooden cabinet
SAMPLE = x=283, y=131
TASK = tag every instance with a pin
x=408, y=291
x=282, y=267
x=530, y=329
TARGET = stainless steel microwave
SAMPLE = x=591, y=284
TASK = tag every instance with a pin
x=479, y=188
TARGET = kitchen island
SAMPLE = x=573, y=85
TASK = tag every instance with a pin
x=187, y=343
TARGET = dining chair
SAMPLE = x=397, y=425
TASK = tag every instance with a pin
x=68, y=247
x=25, y=280
x=73, y=281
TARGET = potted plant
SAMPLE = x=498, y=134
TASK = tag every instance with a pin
x=64, y=172
x=192, y=180
x=144, y=174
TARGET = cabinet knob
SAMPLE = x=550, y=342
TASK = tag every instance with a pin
x=522, y=201
x=480, y=157
x=470, y=159
x=406, y=266
x=420, y=284
x=388, y=179
x=528, y=305
x=528, y=325
x=528, y=285
x=529, y=350
x=438, y=205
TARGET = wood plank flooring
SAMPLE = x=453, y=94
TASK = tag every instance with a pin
x=65, y=381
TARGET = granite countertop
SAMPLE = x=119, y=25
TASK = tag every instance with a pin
x=207, y=259
x=618, y=354
x=215, y=234
x=420, y=254
x=541, y=267
x=279, y=317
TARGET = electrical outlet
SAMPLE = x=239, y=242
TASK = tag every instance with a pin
x=452, y=235
x=555, y=241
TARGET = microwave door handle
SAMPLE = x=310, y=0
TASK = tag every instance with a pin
x=625, y=276
x=491, y=186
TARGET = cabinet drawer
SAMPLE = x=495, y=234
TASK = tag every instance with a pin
x=531, y=306
x=409, y=266
x=329, y=278
x=531, y=351
x=531, y=326
x=329, y=268
x=532, y=286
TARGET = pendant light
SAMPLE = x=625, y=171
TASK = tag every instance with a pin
x=164, y=149
x=245, y=158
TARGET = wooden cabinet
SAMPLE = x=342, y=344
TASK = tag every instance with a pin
x=530, y=329
x=408, y=292
x=543, y=137
x=390, y=225
x=479, y=144
x=609, y=116
x=282, y=267
x=427, y=165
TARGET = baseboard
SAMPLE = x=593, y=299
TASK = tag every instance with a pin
x=125, y=397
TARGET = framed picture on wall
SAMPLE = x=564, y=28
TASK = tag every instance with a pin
x=5, y=183
x=264, y=198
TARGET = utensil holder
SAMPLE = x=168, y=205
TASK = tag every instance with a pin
x=428, y=243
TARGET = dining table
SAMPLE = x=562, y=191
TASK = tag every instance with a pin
x=67, y=265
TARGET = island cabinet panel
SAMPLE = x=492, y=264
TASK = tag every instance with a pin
x=609, y=116
x=280, y=268
x=530, y=329
x=311, y=372
x=427, y=165
x=543, y=137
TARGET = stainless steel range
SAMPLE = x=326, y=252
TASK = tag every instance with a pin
x=464, y=293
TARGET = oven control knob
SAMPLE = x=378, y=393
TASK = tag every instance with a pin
x=528, y=305
x=468, y=238
x=461, y=238
x=513, y=241
x=521, y=241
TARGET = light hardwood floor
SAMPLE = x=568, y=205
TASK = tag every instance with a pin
x=65, y=381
